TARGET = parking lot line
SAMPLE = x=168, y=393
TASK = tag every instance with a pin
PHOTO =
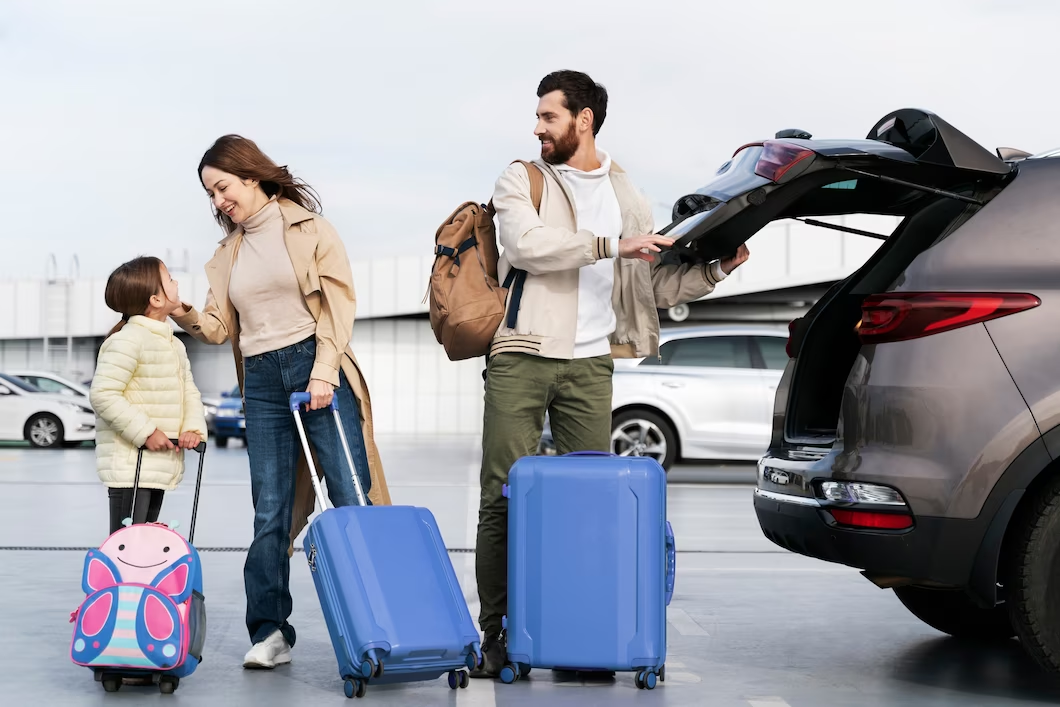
x=684, y=624
x=767, y=702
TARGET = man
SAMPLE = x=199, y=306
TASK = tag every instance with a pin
x=592, y=292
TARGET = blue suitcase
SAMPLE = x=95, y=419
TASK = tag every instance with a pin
x=590, y=566
x=390, y=596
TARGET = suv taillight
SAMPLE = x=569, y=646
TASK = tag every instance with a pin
x=778, y=158
x=900, y=316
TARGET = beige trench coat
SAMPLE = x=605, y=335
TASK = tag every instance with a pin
x=323, y=270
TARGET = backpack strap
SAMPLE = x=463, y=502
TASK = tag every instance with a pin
x=537, y=182
x=537, y=186
x=517, y=278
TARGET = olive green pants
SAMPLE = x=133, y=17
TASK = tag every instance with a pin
x=519, y=389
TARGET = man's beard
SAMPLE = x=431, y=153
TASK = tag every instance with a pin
x=563, y=149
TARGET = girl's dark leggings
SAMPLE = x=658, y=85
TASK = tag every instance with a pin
x=148, y=506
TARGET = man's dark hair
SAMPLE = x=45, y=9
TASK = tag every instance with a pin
x=579, y=92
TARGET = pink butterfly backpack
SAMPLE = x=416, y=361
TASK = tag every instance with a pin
x=144, y=612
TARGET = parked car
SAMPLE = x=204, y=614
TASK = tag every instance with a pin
x=209, y=411
x=229, y=420
x=916, y=425
x=43, y=419
x=708, y=395
x=52, y=383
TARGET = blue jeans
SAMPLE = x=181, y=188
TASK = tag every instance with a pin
x=274, y=446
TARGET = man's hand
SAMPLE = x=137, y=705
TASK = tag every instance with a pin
x=190, y=440
x=321, y=392
x=158, y=442
x=730, y=264
x=635, y=247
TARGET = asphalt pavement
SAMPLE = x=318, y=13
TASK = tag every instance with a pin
x=750, y=624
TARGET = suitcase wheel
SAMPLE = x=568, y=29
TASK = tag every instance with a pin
x=509, y=673
x=168, y=684
x=645, y=679
x=111, y=683
x=372, y=666
x=355, y=687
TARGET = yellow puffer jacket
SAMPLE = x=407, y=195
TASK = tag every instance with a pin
x=143, y=382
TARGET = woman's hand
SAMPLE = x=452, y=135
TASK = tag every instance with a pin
x=158, y=442
x=190, y=440
x=321, y=392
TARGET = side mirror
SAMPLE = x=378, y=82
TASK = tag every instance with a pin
x=4, y=390
x=225, y=394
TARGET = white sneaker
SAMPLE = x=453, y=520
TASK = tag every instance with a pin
x=269, y=653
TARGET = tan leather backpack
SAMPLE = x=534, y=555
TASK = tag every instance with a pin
x=467, y=303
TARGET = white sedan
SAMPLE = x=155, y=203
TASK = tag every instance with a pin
x=708, y=396
x=42, y=419
x=48, y=382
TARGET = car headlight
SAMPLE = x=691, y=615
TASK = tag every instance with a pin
x=79, y=408
x=209, y=410
x=227, y=412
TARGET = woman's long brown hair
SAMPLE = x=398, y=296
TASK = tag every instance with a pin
x=129, y=288
x=242, y=157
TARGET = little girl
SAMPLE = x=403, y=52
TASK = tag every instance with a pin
x=143, y=393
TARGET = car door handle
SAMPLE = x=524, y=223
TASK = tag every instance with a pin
x=673, y=384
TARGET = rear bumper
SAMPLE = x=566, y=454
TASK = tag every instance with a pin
x=229, y=427
x=935, y=550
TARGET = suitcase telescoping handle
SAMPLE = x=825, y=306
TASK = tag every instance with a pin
x=297, y=401
x=201, y=449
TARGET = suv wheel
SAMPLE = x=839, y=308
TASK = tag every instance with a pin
x=640, y=433
x=1034, y=578
x=952, y=611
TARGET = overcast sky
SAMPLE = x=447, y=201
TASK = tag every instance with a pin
x=396, y=112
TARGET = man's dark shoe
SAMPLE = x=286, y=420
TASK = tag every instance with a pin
x=494, y=655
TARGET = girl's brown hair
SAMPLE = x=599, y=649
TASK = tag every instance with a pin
x=242, y=157
x=130, y=287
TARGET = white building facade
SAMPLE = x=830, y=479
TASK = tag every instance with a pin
x=57, y=323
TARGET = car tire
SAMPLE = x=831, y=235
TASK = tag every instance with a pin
x=221, y=441
x=1033, y=579
x=44, y=431
x=635, y=425
x=953, y=612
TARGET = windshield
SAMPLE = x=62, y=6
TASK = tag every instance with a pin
x=20, y=384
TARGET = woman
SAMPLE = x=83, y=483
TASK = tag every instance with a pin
x=281, y=292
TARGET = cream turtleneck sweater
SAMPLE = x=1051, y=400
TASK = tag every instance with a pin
x=264, y=288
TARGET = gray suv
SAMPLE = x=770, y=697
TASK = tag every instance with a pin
x=916, y=428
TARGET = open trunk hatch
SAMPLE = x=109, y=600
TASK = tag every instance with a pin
x=910, y=157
